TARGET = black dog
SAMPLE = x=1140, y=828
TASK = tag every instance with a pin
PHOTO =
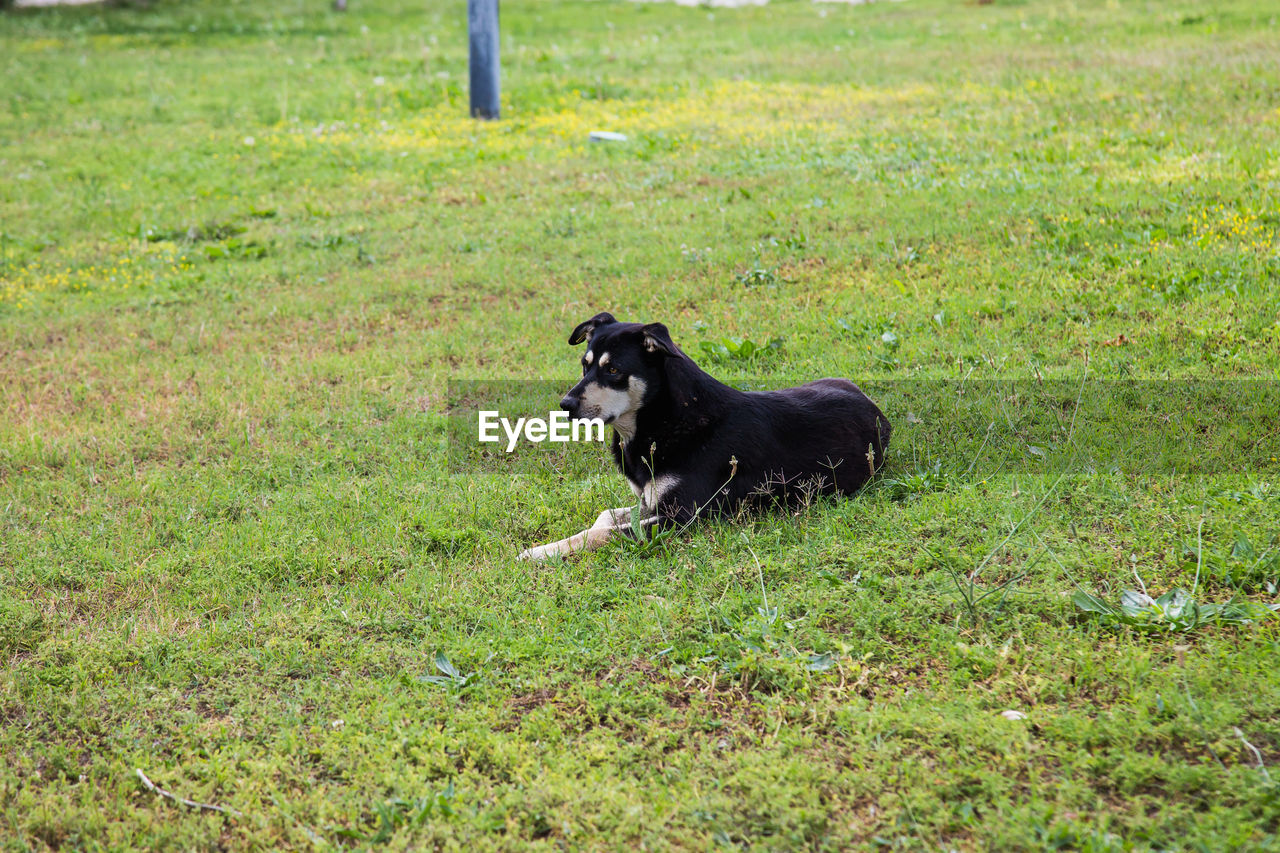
x=690, y=445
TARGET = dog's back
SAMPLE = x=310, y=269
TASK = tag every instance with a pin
x=872, y=427
x=819, y=437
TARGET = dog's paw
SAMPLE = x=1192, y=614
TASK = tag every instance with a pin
x=538, y=553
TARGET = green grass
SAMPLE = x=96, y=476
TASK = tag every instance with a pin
x=245, y=246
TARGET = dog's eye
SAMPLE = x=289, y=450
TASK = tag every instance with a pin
x=612, y=371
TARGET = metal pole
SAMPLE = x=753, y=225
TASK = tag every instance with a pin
x=482, y=25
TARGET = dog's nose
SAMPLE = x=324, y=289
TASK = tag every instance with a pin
x=569, y=403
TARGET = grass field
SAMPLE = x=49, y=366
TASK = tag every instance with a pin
x=244, y=248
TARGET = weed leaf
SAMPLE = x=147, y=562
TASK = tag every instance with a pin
x=446, y=666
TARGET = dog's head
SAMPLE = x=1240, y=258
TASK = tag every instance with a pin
x=622, y=369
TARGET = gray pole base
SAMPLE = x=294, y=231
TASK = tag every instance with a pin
x=482, y=26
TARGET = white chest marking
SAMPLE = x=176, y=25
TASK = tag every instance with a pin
x=654, y=491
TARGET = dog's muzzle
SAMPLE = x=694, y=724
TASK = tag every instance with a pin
x=570, y=403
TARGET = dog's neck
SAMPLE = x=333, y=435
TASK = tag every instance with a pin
x=625, y=427
x=690, y=401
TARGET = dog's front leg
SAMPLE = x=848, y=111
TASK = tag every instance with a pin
x=608, y=522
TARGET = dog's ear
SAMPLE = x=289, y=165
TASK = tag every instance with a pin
x=584, y=330
x=657, y=339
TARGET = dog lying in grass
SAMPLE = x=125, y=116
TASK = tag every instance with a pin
x=690, y=445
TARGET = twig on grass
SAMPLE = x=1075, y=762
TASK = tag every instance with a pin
x=1256, y=754
x=156, y=789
